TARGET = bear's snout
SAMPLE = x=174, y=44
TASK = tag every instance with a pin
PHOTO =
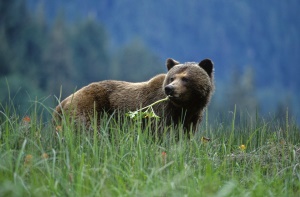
x=169, y=90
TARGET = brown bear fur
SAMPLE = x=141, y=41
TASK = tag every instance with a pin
x=189, y=86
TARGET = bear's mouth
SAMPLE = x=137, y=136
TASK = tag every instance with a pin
x=173, y=97
x=170, y=96
x=174, y=100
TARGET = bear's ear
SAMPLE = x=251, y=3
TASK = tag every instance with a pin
x=170, y=63
x=207, y=65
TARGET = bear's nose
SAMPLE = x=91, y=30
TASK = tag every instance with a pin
x=169, y=89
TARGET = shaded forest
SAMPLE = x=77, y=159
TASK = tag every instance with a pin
x=52, y=48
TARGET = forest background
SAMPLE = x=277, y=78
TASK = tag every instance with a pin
x=51, y=48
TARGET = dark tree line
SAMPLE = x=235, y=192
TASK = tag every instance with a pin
x=38, y=58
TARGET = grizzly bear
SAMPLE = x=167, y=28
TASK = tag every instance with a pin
x=189, y=87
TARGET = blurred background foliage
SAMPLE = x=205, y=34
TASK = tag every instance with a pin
x=51, y=48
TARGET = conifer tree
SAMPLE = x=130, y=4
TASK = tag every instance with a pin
x=58, y=70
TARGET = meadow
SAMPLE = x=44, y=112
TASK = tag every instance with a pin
x=233, y=155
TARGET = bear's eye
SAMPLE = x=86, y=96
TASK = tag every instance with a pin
x=172, y=79
x=184, y=79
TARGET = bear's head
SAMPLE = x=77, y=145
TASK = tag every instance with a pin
x=190, y=83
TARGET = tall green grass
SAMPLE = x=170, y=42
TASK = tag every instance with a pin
x=38, y=158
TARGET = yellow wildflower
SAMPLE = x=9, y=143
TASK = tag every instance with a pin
x=58, y=128
x=28, y=159
x=242, y=147
x=45, y=156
